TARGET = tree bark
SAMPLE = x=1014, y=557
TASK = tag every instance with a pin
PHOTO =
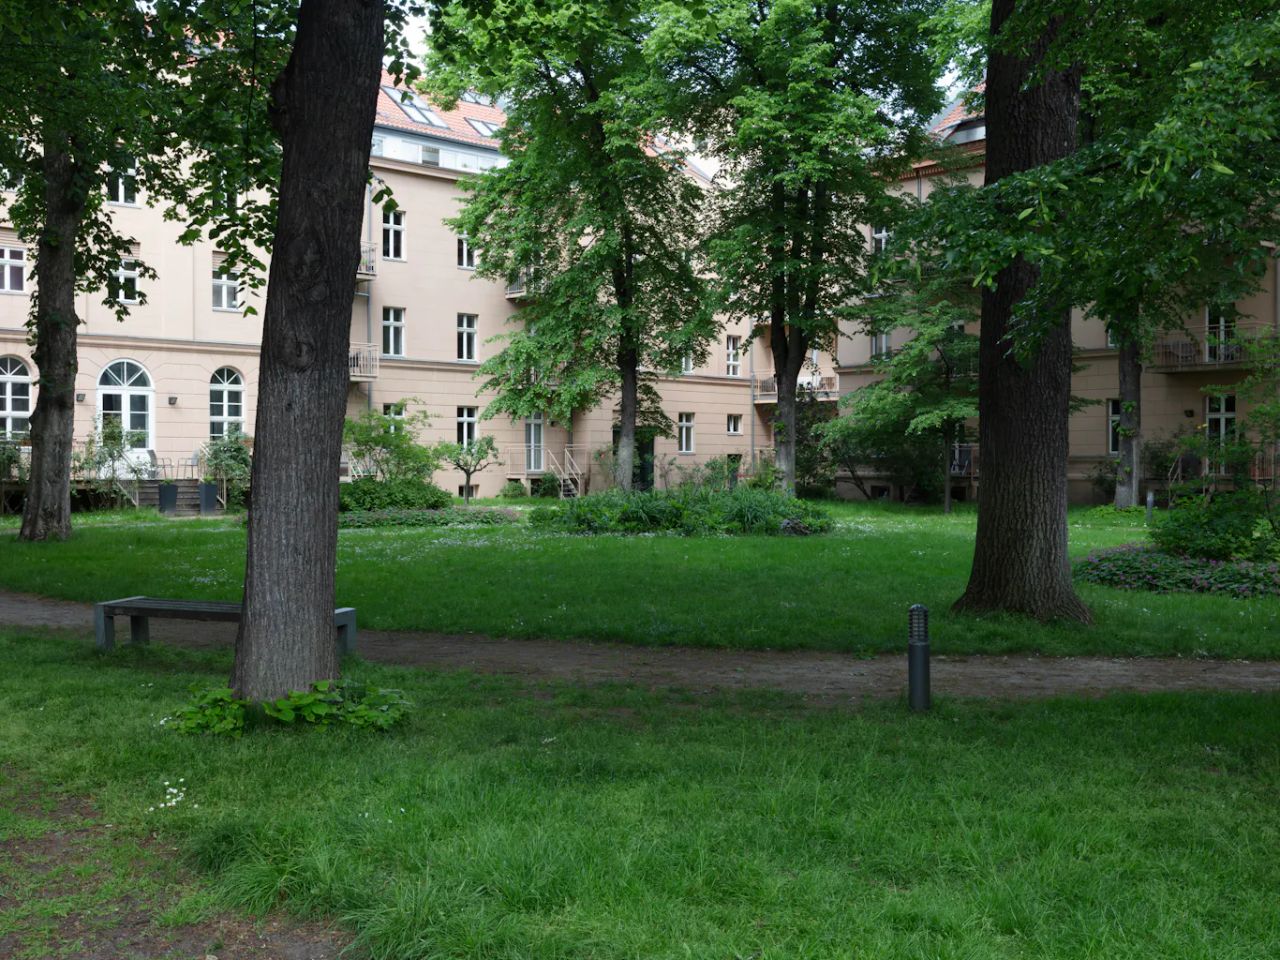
x=946, y=470
x=628, y=410
x=1020, y=562
x=46, y=515
x=323, y=108
x=1129, y=474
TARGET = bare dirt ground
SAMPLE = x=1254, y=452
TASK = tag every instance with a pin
x=823, y=677
x=71, y=886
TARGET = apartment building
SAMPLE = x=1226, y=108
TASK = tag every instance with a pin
x=1174, y=378
x=183, y=367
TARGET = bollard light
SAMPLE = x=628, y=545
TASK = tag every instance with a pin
x=918, y=657
x=1151, y=505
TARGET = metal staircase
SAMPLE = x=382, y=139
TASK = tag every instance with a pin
x=567, y=472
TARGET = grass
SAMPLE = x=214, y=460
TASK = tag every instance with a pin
x=509, y=821
x=848, y=590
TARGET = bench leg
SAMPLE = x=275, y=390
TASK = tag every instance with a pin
x=104, y=627
x=345, y=621
x=139, y=630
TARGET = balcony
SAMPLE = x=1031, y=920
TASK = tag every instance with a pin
x=1220, y=348
x=368, y=267
x=362, y=362
x=825, y=388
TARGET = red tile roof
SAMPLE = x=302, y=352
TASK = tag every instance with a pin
x=391, y=114
x=956, y=113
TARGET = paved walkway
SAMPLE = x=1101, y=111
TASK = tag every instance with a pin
x=820, y=676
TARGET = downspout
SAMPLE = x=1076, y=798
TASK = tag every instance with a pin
x=751, y=375
x=368, y=298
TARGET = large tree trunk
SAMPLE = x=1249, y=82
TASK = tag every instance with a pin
x=1020, y=562
x=628, y=410
x=1129, y=476
x=788, y=360
x=323, y=108
x=47, y=512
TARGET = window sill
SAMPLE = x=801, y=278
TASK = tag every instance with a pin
x=227, y=309
x=467, y=269
x=120, y=203
x=14, y=293
x=470, y=363
x=395, y=260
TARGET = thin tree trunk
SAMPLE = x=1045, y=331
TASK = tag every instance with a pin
x=323, y=107
x=946, y=470
x=46, y=514
x=628, y=409
x=1020, y=562
x=1129, y=475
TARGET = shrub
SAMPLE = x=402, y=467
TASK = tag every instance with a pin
x=448, y=517
x=369, y=493
x=1145, y=568
x=513, y=490
x=327, y=702
x=1225, y=525
x=687, y=510
x=546, y=486
x=385, y=446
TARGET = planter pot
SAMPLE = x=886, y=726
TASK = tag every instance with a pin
x=208, y=498
x=168, y=498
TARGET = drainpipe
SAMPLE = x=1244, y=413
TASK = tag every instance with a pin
x=751, y=375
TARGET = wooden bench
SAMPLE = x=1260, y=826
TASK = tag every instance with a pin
x=140, y=611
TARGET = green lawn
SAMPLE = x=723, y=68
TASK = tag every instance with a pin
x=848, y=590
x=515, y=823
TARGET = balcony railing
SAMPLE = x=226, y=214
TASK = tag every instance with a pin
x=1211, y=350
x=362, y=362
x=824, y=387
x=964, y=461
x=368, y=267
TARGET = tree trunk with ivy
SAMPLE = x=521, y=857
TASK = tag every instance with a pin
x=1020, y=562
x=323, y=108
x=1129, y=468
x=46, y=515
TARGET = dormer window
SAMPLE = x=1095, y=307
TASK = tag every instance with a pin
x=414, y=107
x=484, y=127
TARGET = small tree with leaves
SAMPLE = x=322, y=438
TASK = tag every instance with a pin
x=470, y=459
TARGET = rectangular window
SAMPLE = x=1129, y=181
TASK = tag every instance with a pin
x=1220, y=332
x=392, y=234
x=879, y=346
x=468, y=492
x=429, y=156
x=733, y=356
x=1221, y=417
x=467, y=336
x=483, y=127
x=395, y=413
x=413, y=106
x=378, y=147
x=13, y=269
x=393, y=331
x=684, y=435
x=467, y=420
x=879, y=239
x=466, y=255
x=1113, y=427
x=686, y=363
x=122, y=186
x=226, y=287
x=733, y=424
x=533, y=443
x=124, y=284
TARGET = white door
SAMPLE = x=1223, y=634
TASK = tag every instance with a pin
x=533, y=444
x=125, y=401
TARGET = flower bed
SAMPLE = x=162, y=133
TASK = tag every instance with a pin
x=1144, y=568
x=448, y=517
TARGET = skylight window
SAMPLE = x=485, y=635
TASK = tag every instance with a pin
x=413, y=106
x=483, y=127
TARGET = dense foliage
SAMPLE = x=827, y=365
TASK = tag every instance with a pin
x=1143, y=568
x=447, y=517
x=370, y=493
x=1226, y=525
x=688, y=510
x=327, y=702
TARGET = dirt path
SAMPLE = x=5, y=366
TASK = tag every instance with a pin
x=820, y=676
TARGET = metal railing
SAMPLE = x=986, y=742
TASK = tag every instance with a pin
x=368, y=267
x=964, y=461
x=768, y=386
x=1187, y=466
x=362, y=361
x=1208, y=350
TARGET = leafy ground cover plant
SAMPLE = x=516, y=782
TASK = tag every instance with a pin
x=445, y=517
x=369, y=493
x=218, y=711
x=687, y=510
x=1145, y=568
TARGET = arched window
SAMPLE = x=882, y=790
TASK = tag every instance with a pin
x=124, y=402
x=15, y=397
x=226, y=403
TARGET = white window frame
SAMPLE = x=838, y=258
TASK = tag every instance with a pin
x=226, y=283
x=15, y=397
x=136, y=383
x=733, y=424
x=124, y=273
x=393, y=331
x=466, y=253
x=1113, y=426
x=13, y=257
x=486, y=128
x=880, y=237
x=395, y=413
x=393, y=236
x=122, y=186
x=413, y=107
x=1220, y=416
x=686, y=363
x=1219, y=329
x=468, y=326
x=226, y=391
x=468, y=421
x=378, y=146
x=733, y=355
x=879, y=345
x=684, y=433
x=534, y=443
